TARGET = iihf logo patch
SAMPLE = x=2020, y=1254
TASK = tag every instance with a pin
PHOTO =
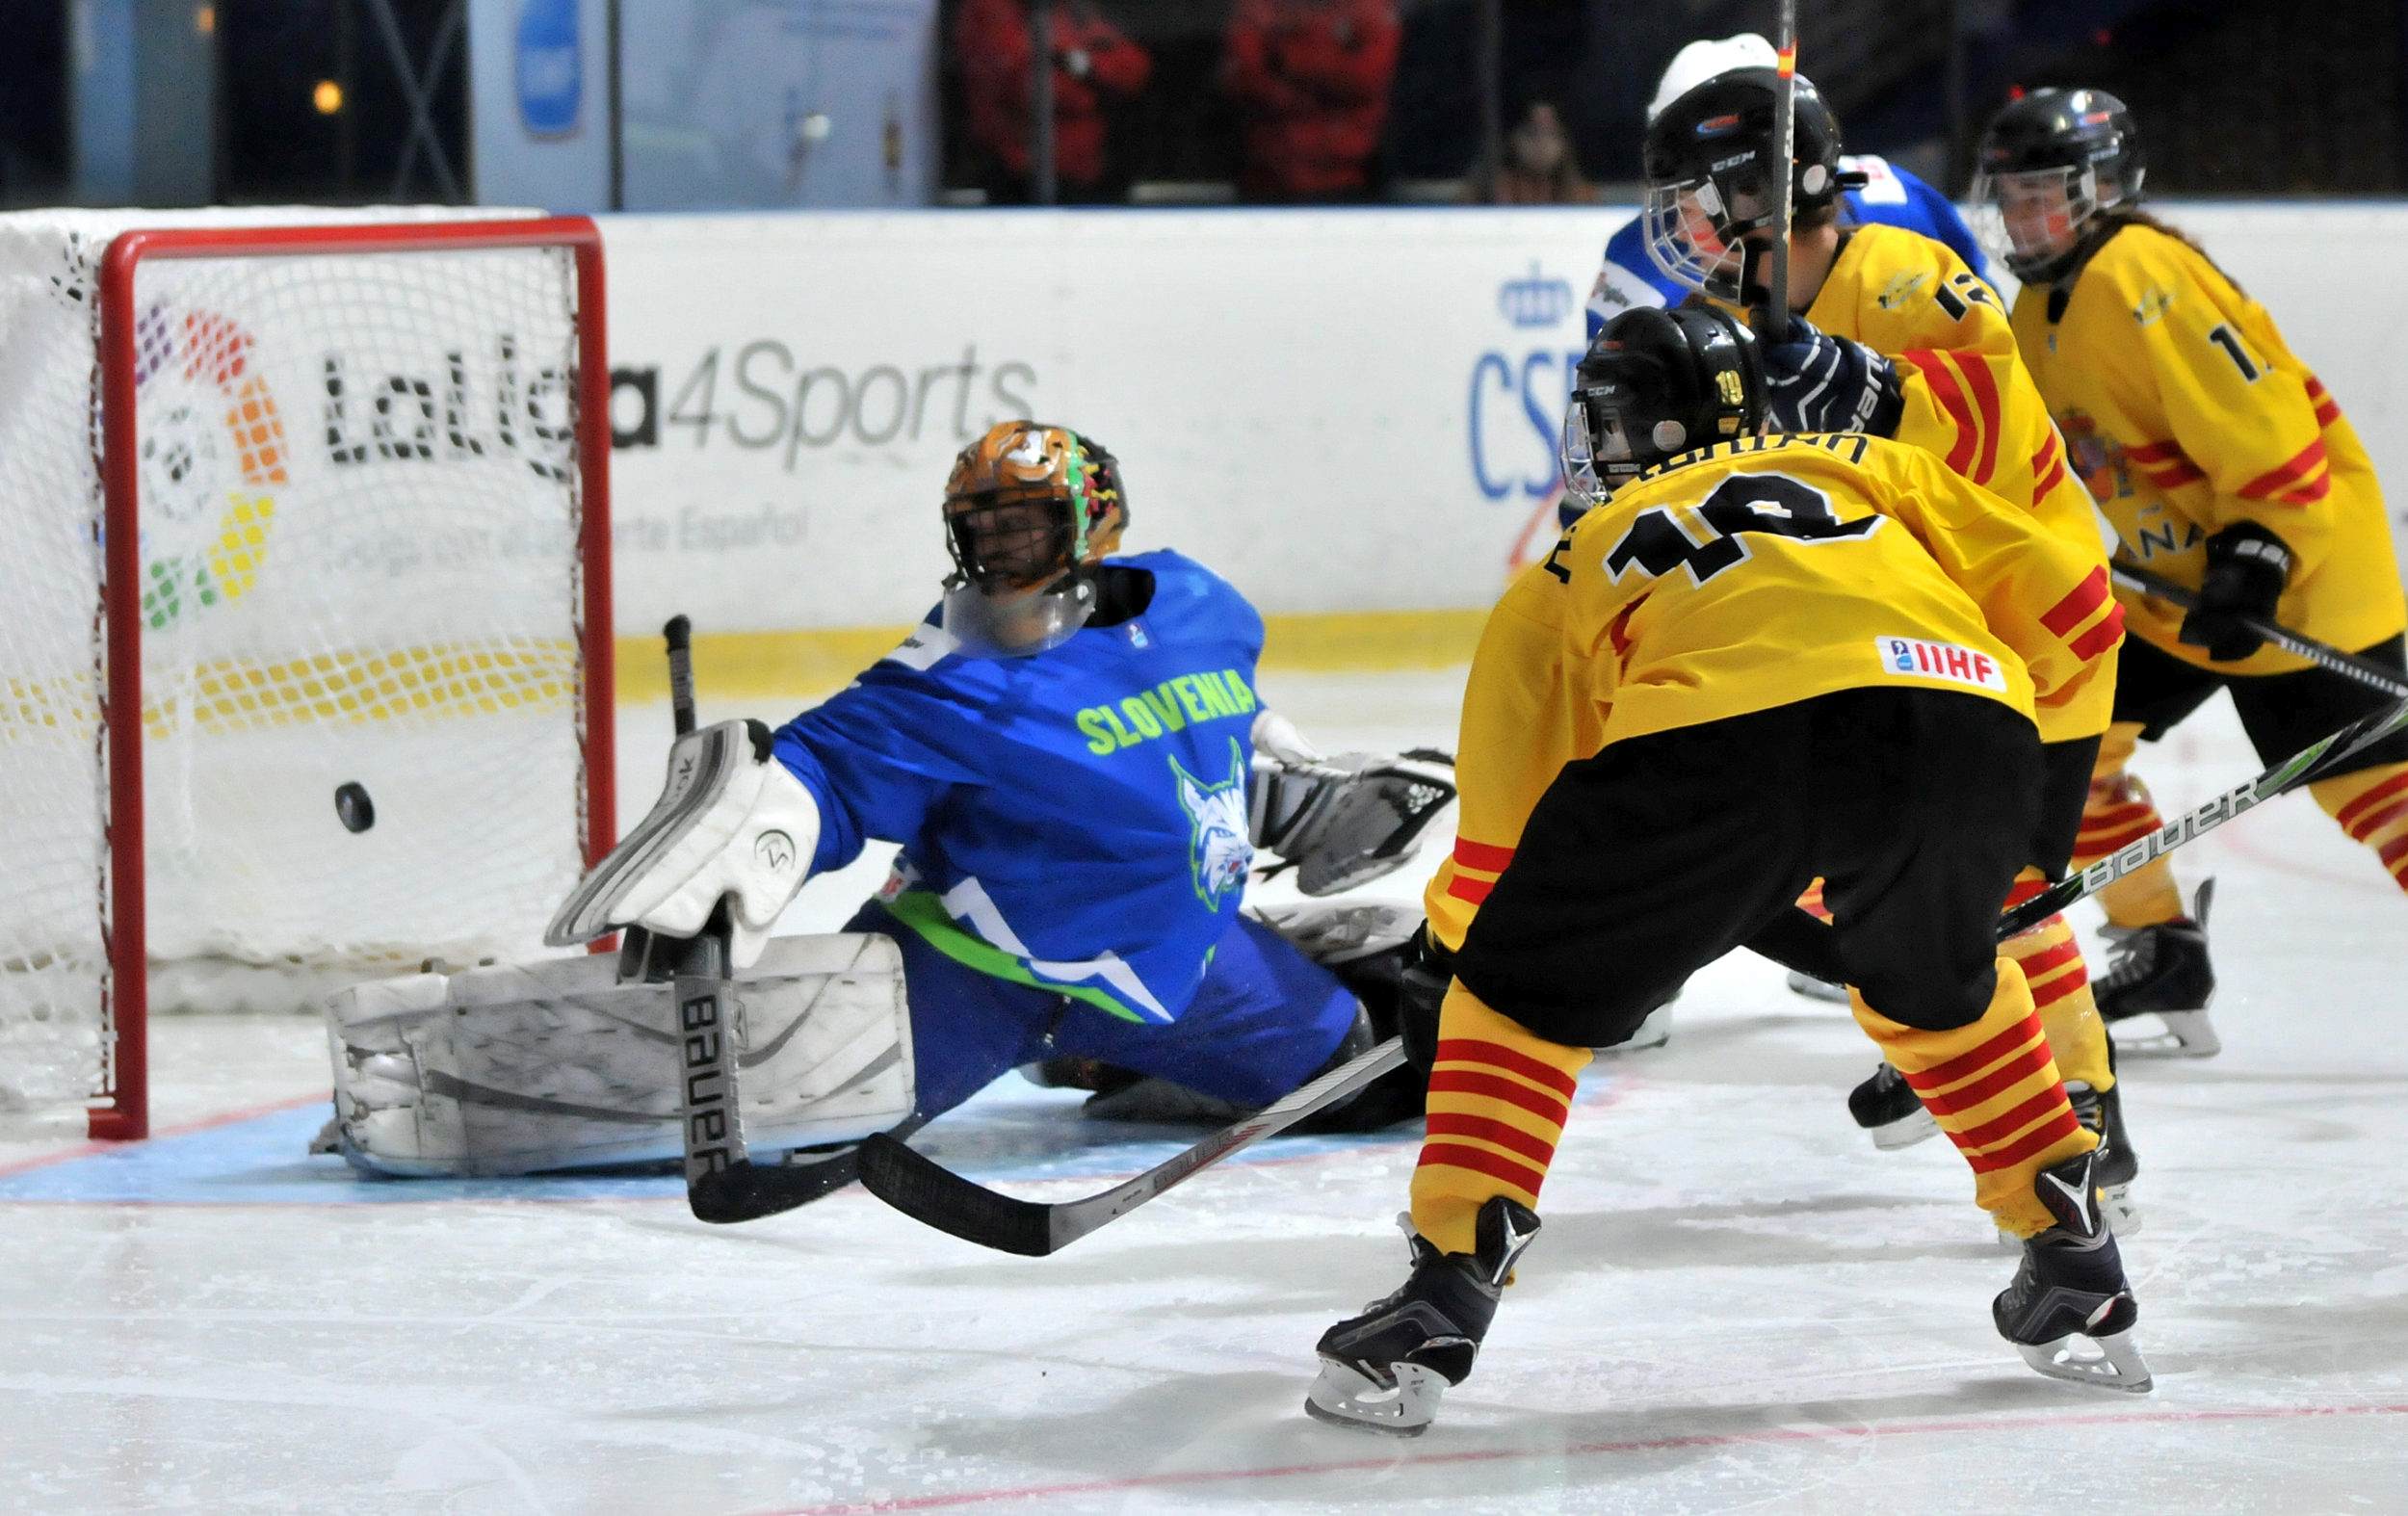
x=1917, y=659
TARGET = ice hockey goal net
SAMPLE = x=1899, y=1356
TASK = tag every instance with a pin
x=305, y=630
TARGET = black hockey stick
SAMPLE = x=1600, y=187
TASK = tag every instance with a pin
x=723, y=1183
x=930, y=1193
x=1775, y=311
x=2374, y=677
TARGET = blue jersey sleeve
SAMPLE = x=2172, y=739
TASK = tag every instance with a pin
x=1891, y=196
x=1629, y=278
x=879, y=755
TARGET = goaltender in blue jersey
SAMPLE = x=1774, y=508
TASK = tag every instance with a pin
x=1890, y=196
x=1071, y=752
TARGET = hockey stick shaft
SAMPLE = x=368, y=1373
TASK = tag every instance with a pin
x=2290, y=773
x=1784, y=169
x=2374, y=677
x=936, y=1196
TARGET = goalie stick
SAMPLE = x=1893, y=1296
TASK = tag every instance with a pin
x=724, y=1185
x=2374, y=677
x=934, y=1195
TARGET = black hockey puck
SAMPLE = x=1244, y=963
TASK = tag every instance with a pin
x=352, y=803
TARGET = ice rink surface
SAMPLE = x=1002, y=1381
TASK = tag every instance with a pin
x=1737, y=1304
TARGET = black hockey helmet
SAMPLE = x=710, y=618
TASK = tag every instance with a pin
x=2051, y=162
x=1654, y=384
x=1709, y=182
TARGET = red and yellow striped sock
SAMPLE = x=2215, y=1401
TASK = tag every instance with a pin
x=1498, y=1096
x=2050, y=958
x=1811, y=903
x=2372, y=807
x=2117, y=814
x=1994, y=1092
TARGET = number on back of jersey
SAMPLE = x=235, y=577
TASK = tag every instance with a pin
x=1710, y=537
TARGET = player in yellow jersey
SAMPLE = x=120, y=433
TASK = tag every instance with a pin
x=1754, y=664
x=1901, y=339
x=2222, y=463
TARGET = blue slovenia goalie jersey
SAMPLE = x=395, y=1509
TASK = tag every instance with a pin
x=1074, y=820
x=1891, y=196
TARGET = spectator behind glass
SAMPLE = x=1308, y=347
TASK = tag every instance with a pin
x=1096, y=68
x=1310, y=79
x=1538, y=167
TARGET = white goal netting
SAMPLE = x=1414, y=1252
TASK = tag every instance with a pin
x=361, y=615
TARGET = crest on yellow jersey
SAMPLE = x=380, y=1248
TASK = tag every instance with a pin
x=1901, y=285
x=2152, y=306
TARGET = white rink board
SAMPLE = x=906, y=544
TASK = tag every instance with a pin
x=1340, y=411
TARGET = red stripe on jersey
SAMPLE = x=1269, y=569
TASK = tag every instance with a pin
x=2050, y=994
x=2080, y=604
x=1488, y=1129
x=1618, y=629
x=1966, y=1064
x=2148, y=453
x=1463, y=1082
x=1496, y=1056
x=2316, y=388
x=1481, y=1161
x=2094, y=846
x=2176, y=475
x=2355, y=811
x=2099, y=638
x=2050, y=959
x=1464, y=887
x=1952, y=399
x=2023, y=1067
x=2291, y=477
x=2327, y=413
x=2030, y=1146
x=1484, y=856
x=2049, y=481
x=1985, y=392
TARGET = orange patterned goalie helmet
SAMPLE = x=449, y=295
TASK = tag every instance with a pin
x=1027, y=506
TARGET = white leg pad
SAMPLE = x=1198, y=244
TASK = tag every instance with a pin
x=522, y=1068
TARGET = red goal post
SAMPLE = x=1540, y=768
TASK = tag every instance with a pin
x=444, y=669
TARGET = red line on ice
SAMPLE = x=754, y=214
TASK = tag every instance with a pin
x=204, y=1124
x=1407, y=1460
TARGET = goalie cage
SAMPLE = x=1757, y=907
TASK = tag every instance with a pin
x=288, y=510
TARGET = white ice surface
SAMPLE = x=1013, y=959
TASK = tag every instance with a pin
x=1737, y=1304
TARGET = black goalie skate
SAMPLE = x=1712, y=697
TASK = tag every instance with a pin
x=1384, y=1370
x=1890, y=1112
x=2162, y=971
x=2070, y=1286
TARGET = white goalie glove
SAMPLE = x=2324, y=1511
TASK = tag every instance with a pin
x=731, y=824
x=1345, y=820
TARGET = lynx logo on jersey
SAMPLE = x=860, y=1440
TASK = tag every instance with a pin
x=1218, y=848
x=1918, y=658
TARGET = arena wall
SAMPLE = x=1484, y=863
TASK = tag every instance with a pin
x=1351, y=414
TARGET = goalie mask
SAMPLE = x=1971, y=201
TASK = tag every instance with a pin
x=1709, y=181
x=1654, y=384
x=1028, y=510
x=2052, y=163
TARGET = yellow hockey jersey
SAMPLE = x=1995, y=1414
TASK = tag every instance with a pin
x=1970, y=399
x=1750, y=575
x=2186, y=412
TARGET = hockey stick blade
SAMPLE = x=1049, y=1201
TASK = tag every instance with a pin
x=934, y=1195
x=2374, y=677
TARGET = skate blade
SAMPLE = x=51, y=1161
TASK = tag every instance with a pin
x=1905, y=1132
x=1813, y=988
x=2115, y=1365
x=2181, y=1035
x=1344, y=1397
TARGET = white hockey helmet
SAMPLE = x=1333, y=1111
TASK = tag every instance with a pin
x=1708, y=58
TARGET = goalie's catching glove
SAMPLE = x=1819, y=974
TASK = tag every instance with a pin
x=731, y=824
x=1345, y=820
x=1816, y=382
x=2247, y=568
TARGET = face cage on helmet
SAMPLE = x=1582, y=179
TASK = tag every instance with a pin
x=1008, y=540
x=1726, y=210
x=2071, y=190
x=1596, y=451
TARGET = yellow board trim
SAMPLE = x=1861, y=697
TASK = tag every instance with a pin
x=749, y=666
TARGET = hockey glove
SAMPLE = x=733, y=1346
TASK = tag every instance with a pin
x=1817, y=382
x=1349, y=820
x=2247, y=568
x=1420, y=989
x=732, y=824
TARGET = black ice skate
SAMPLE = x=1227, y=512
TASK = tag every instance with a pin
x=1384, y=1371
x=2162, y=971
x=2117, y=1165
x=1887, y=1108
x=2070, y=1286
